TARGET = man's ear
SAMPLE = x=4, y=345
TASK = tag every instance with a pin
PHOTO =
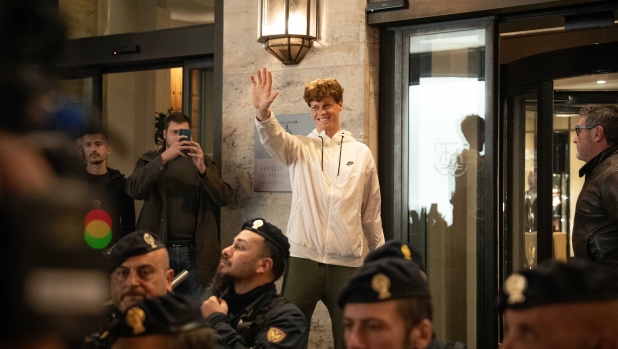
x=599, y=134
x=264, y=265
x=169, y=277
x=421, y=334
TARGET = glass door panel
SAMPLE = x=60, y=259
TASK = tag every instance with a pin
x=202, y=107
x=131, y=102
x=446, y=120
x=524, y=177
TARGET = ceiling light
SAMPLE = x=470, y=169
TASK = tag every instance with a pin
x=601, y=81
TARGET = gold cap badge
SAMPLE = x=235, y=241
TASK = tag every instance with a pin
x=135, y=318
x=256, y=224
x=150, y=240
x=514, y=287
x=275, y=335
x=381, y=284
x=406, y=252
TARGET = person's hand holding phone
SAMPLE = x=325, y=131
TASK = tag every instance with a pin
x=179, y=147
x=197, y=155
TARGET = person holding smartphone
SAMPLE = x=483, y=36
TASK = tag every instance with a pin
x=182, y=192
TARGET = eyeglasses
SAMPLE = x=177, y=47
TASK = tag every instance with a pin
x=583, y=127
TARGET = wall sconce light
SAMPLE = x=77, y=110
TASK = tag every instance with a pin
x=287, y=28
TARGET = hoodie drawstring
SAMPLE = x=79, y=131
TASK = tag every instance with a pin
x=340, y=151
x=322, y=152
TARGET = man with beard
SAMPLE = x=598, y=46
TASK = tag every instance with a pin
x=386, y=305
x=139, y=268
x=245, y=308
x=107, y=184
x=557, y=305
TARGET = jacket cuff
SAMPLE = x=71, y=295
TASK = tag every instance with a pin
x=216, y=318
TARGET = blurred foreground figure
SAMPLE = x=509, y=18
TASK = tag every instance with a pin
x=53, y=284
x=407, y=252
x=165, y=322
x=572, y=306
x=386, y=305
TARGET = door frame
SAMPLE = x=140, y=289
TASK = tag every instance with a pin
x=393, y=164
x=536, y=73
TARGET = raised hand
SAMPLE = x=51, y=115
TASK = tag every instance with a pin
x=262, y=93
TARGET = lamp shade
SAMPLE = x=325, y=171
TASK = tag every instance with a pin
x=288, y=28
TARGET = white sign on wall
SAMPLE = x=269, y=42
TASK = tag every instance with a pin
x=268, y=173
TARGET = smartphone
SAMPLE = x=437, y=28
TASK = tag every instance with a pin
x=185, y=132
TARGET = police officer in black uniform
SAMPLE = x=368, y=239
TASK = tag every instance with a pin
x=139, y=268
x=170, y=321
x=557, y=305
x=398, y=249
x=387, y=303
x=245, y=308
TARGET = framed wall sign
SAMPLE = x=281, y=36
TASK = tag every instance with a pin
x=379, y=5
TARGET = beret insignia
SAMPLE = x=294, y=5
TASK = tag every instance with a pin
x=406, y=252
x=150, y=240
x=257, y=223
x=381, y=284
x=514, y=287
x=135, y=318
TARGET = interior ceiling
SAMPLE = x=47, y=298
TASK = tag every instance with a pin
x=192, y=11
x=588, y=83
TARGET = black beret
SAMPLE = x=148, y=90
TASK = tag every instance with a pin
x=133, y=244
x=557, y=283
x=384, y=279
x=169, y=314
x=269, y=232
x=394, y=248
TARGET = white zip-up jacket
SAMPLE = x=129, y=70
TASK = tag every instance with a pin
x=335, y=193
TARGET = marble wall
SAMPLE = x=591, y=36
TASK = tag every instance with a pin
x=347, y=49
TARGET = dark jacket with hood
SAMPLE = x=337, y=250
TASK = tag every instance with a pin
x=148, y=183
x=595, y=230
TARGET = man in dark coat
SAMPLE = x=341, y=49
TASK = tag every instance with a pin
x=595, y=230
x=182, y=192
x=245, y=309
x=107, y=185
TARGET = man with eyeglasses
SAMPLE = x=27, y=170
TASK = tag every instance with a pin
x=595, y=231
